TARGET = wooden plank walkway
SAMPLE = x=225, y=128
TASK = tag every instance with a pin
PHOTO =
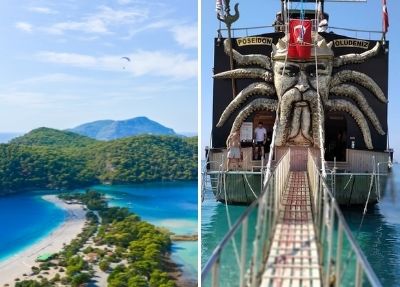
x=293, y=257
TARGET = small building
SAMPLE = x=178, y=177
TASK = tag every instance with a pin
x=44, y=257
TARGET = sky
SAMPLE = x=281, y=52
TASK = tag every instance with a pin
x=362, y=16
x=61, y=62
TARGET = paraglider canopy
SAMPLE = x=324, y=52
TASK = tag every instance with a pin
x=127, y=59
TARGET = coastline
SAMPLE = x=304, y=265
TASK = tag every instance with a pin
x=15, y=266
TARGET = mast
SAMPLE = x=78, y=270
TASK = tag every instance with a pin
x=229, y=19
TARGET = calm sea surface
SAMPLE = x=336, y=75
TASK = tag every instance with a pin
x=379, y=236
x=25, y=218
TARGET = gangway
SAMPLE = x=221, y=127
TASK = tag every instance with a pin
x=299, y=237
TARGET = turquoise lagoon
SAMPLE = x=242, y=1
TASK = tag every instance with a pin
x=171, y=205
x=25, y=218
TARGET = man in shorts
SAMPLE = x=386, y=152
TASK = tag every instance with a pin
x=260, y=136
x=234, y=152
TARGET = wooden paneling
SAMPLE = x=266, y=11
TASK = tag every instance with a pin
x=360, y=161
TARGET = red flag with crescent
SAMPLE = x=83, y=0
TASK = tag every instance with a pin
x=385, y=16
x=300, y=39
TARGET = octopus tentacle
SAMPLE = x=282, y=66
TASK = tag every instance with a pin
x=255, y=105
x=358, y=78
x=355, y=94
x=254, y=89
x=247, y=73
x=248, y=60
x=356, y=58
x=348, y=107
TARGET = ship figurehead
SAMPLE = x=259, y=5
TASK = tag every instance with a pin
x=299, y=88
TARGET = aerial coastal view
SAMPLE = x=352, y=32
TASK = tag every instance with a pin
x=300, y=141
x=98, y=177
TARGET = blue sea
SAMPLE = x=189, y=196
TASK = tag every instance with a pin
x=25, y=218
x=378, y=237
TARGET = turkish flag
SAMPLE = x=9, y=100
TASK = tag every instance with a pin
x=385, y=16
x=299, y=39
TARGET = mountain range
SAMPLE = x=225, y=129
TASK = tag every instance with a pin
x=109, y=129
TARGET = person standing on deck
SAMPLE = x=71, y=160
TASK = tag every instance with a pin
x=260, y=136
x=234, y=152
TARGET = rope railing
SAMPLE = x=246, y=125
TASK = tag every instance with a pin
x=265, y=210
x=342, y=260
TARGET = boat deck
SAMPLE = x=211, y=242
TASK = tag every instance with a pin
x=293, y=257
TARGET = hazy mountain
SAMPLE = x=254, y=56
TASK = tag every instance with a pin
x=6, y=137
x=109, y=129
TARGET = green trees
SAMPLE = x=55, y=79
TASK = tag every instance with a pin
x=47, y=158
x=104, y=265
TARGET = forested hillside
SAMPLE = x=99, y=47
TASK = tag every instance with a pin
x=47, y=158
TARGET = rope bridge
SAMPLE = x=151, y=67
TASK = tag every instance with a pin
x=300, y=237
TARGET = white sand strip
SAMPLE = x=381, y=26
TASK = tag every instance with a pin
x=16, y=266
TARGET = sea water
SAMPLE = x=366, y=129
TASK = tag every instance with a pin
x=378, y=235
x=25, y=218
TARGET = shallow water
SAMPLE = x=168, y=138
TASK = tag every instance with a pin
x=379, y=236
x=25, y=218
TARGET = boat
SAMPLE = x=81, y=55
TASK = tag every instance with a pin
x=312, y=87
x=299, y=128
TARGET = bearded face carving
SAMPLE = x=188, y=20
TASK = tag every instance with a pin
x=302, y=89
x=296, y=88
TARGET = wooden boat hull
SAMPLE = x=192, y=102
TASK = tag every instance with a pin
x=350, y=189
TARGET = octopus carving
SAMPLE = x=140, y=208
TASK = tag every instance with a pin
x=297, y=86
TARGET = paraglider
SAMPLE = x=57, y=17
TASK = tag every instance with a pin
x=127, y=59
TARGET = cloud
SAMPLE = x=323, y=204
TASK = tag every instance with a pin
x=151, y=26
x=77, y=60
x=153, y=63
x=89, y=26
x=101, y=21
x=42, y=10
x=185, y=35
x=124, y=2
x=23, y=26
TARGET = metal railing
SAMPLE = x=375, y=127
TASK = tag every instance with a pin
x=252, y=256
x=342, y=261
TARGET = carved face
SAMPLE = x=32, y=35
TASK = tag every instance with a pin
x=296, y=88
x=302, y=76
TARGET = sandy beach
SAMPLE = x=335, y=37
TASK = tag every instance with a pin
x=16, y=266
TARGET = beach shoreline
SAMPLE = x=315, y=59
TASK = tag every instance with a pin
x=21, y=263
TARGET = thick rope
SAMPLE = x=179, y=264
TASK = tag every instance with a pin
x=230, y=222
